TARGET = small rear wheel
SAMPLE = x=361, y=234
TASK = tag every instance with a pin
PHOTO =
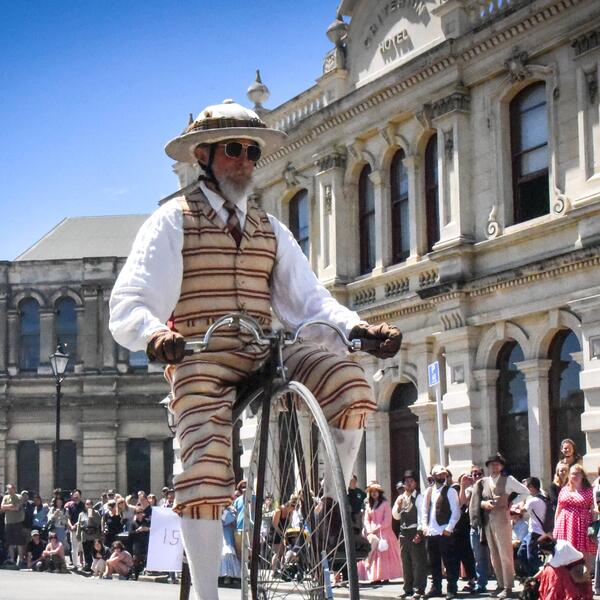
x=312, y=553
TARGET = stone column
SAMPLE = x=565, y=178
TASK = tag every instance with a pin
x=11, y=461
x=538, y=409
x=428, y=454
x=382, y=223
x=109, y=349
x=46, y=468
x=3, y=446
x=13, y=341
x=99, y=451
x=416, y=208
x=462, y=437
x=3, y=333
x=486, y=415
x=122, y=465
x=157, y=465
x=89, y=333
x=588, y=310
x=47, y=339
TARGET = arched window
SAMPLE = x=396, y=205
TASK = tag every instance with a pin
x=513, y=426
x=432, y=193
x=366, y=220
x=529, y=149
x=66, y=328
x=29, y=335
x=399, y=199
x=299, y=220
x=566, y=395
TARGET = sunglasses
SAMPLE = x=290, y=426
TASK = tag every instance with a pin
x=234, y=150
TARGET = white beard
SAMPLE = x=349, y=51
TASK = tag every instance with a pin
x=233, y=191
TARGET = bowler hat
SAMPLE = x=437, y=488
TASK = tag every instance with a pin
x=496, y=458
x=409, y=473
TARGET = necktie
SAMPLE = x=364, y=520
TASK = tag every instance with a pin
x=233, y=223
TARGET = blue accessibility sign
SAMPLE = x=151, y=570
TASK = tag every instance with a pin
x=433, y=373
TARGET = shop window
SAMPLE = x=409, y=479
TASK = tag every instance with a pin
x=298, y=211
x=529, y=149
x=513, y=425
x=566, y=395
x=29, y=335
x=399, y=212
x=432, y=193
x=366, y=221
x=66, y=328
x=138, y=466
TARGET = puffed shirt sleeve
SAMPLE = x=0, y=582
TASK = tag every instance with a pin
x=148, y=286
x=421, y=520
x=516, y=487
x=297, y=295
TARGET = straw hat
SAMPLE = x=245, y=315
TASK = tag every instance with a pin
x=219, y=122
x=374, y=487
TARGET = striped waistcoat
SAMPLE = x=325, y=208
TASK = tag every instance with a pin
x=219, y=278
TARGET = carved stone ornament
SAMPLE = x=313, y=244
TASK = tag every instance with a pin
x=423, y=116
x=560, y=204
x=591, y=82
x=459, y=100
x=291, y=175
x=328, y=197
x=492, y=229
x=586, y=42
x=255, y=198
x=335, y=160
x=517, y=65
x=449, y=145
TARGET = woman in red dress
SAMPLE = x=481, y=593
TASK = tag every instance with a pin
x=574, y=514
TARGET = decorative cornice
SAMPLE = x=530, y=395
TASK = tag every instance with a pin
x=586, y=42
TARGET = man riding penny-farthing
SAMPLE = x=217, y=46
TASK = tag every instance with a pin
x=207, y=253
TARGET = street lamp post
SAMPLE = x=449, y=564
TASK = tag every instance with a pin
x=59, y=361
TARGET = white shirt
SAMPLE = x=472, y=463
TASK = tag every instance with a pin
x=512, y=487
x=434, y=528
x=148, y=287
x=536, y=509
x=419, y=503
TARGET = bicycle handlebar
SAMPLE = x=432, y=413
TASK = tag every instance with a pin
x=261, y=338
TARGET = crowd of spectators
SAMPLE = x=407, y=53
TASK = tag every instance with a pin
x=482, y=526
x=66, y=533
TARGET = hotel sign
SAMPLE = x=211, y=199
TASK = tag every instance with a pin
x=385, y=33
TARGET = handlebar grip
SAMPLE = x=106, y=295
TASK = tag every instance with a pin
x=367, y=345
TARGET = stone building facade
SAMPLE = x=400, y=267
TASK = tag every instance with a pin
x=443, y=174
x=113, y=432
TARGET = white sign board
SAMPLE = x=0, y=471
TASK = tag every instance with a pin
x=433, y=371
x=165, y=549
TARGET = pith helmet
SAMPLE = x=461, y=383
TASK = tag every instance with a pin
x=222, y=122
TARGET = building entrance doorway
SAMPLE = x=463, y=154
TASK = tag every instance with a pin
x=404, y=434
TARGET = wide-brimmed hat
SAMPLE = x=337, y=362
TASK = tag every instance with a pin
x=374, y=486
x=438, y=470
x=219, y=122
x=496, y=458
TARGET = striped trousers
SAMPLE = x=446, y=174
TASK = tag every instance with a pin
x=203, y=392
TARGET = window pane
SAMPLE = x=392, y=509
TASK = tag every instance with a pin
x=404, y=233
x=29, y=339
x=534, y=128
x=366, y=217
x=534, y=161
x=533, y=198
x=298, y=220
x=138, y=360
x=532, y=96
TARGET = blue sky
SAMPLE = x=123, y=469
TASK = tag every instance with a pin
x=91, y=90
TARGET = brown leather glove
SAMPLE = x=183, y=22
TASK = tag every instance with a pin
x=166, y=347
x=390, y=337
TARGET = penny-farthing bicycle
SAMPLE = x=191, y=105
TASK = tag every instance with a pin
x=293, y=451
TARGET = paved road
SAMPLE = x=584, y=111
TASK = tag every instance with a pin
x=25, y=585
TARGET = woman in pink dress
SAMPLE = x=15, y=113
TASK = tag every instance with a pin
x=383, y=562
x=574, y=514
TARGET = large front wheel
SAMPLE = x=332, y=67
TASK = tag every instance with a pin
x=311, y=551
